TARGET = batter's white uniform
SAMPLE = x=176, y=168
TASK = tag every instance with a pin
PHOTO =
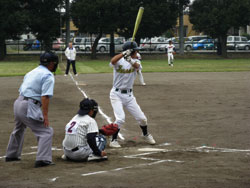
x=122, y=93
x=170, y=50
x=75, y=143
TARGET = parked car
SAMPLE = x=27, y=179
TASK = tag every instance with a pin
x=207, y=44
x=28, y=44
x=152, y=44
x=78, y=43
x=237, y=42
x=104, y=44
x=36, y=45
x=58, y=44
x=175, y=40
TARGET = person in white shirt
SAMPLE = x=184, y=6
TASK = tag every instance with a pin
x=125, y=66
x=70, y=53
x=170, y=51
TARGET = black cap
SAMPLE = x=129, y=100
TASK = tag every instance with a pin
x=86, y=105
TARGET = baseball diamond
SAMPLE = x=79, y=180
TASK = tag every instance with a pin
x=199, y=121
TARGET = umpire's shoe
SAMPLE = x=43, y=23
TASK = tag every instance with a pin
x=9, y=159
x=43, y=163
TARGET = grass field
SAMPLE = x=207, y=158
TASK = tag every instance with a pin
x=97, y=66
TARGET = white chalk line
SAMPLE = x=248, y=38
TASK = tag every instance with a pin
x=108, y=119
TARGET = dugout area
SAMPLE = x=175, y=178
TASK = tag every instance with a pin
x=200, y=121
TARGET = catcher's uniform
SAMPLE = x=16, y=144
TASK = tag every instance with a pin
x=170, y=51
x=75, y=144
x=121, y=93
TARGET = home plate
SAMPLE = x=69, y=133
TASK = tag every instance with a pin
x=151, y=149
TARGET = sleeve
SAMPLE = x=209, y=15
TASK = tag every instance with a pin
x=48, y=85
x=92, y=143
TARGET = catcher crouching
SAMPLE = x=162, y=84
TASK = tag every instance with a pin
x=82, y=140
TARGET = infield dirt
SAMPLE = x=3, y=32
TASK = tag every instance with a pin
x=200, y=120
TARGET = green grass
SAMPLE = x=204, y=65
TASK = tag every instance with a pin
x=99, y=66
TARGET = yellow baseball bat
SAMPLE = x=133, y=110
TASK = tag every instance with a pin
x=138, y=21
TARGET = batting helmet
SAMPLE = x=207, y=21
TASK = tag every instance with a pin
x=130, y=45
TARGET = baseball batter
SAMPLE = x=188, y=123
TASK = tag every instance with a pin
x=125, y=66
x=82, y=141
x=170, y=51
x=31, y=110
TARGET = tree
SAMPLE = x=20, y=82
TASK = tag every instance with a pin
x=216, y=17
x=95, y=17
x=44, y=20
x=158, y=17
x=12, y=22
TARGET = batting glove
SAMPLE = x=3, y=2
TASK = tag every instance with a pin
x=126, y=53
x=130, y=60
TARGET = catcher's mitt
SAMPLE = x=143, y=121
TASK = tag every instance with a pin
x=109, y=129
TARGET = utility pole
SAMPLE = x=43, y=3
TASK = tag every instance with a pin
x=181, y=34
x=67, y=23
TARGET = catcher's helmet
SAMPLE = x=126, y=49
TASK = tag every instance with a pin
x=48, y=57
x=130, y=45
x=86, y=105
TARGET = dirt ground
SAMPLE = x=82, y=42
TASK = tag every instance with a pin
x=201, y=122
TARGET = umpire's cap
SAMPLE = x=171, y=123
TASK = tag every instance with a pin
x=130, y=45
x=48, y=57
x=86, y=105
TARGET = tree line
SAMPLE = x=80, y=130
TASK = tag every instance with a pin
x=43, y=18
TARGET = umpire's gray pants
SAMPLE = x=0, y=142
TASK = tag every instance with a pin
x=43, y=134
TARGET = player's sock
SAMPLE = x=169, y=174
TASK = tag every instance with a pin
x=114, y=137
x=144, y=129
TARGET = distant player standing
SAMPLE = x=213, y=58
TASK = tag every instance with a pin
x=125, y=67
x=82, y=141
x=170, y=51
x=70, y=53
x=139, y=71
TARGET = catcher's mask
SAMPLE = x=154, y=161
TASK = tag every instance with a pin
x=130, y=45
x=86, y=105
x=48, y=57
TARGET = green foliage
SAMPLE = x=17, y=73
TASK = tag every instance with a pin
x=216, y=17
x=13, y=18
x=44, y=19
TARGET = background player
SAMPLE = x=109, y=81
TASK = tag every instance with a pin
x=82, y=141
x=139, y=71
x=34, y=93
x=170, y=51
x=125, y=67
x=70, y=53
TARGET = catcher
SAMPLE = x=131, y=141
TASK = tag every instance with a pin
x=82, y=140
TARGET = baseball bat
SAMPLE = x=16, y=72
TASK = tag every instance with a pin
x=137, y=22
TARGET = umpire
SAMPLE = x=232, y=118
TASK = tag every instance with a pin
x=31, y=110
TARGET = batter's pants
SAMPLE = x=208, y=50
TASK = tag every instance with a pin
x=119, y=99
x=43, y=134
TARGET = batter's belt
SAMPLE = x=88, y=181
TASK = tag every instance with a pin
x=125, y=91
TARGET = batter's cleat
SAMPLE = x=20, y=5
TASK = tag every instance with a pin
x=114, y=144
x=65, y=75
x=9, y=159
x=149, y=139
x=76, y=74
x=43, y=163
x=143, y=84
x=93, y=157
